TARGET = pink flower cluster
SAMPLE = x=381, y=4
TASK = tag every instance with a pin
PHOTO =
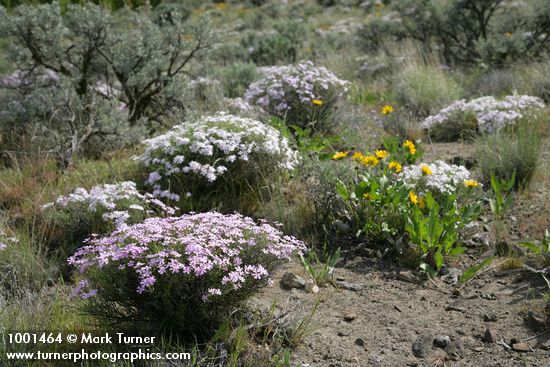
x=226, y=251
x=294, y=87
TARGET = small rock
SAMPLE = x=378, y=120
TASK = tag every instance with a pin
x=490, y=335
x=291, y=280
x=349, y=316
x=521, y=347
x=451, y=275
x=490, y=317
x=442, y=341
x=360, y=342
x=422, y=345
x=311, y=287
x=349, y=286
x=479, y=349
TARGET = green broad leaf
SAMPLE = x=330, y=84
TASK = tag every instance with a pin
x=343, y=191
x=457, y=251
x=473, y=270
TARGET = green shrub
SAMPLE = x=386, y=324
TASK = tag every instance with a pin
x=425, y=89
x=279, y=45
x=512, y=150
x=391, y=202
x=465, y=31
x=87, y=72
x=236, y=78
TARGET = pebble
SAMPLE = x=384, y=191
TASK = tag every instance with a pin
x=521, y=347
x=442, y=341
x=291, y=280
x=311, y=287
x=423, y=345
x=349, y=286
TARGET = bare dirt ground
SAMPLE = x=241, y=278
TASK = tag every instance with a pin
x=378, y=324
x=394, y=310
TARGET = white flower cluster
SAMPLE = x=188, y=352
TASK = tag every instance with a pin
x=491, y=114
x=209, y=146
x=115, y=201
x=437, y=176
x=293, y=87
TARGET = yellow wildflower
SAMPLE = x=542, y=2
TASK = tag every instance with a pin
x=220, y=6
x=387, y=109
x=370, y=160
x=410, y=145
x=340, y=155
x=396, y=166
x=368, y=196
x=471, y=183
x=426, y=170
x=317, y=102
x=413, y=198
x=357, y=156
x=381, y=154
x=508, y=34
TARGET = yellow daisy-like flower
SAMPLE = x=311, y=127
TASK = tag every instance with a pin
x=395, y=166
x=381, y=154
x=317, y=102
x=410, y=146
x=387, y=109
x=471, y=183
x=370, y=160
x=426, y=170
x=340, y=155
x=358, y=156
x=368, y=196
x=413, y=198
x=422, y=202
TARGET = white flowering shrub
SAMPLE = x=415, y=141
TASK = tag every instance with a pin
x=301, y=94
x=100, y=210
x=180, y=273
x=485, y=115
x=438, y=177
x=215, y=158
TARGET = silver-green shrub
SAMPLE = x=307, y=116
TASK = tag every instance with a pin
x=95, y=62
